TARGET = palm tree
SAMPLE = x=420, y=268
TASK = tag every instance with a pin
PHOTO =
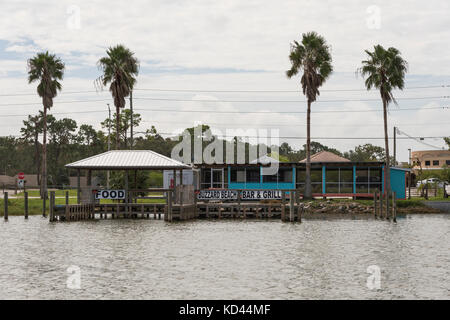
x=385, y=71
x=313, y=57
x=120, y=69
x=47, y=69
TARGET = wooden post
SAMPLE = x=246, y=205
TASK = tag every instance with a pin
x=67, y=197
x=375, y=196
x=169, y=206
x=5, y=202
x=291, y=205
x=409, y=185
x=394, y=207
x=52, y=206
x=239, y=201
x=44, y=200
x=426, y=191
x=78, y=186
x=181, y=203
x=25, y=198
x=283, y=205
x=381, y=205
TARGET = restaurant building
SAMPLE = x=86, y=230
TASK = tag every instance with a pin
x=331, y=176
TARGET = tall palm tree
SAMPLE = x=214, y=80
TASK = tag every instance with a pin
x=48, y=70
x=385, y=70
x=120, y=69
x=313, y=57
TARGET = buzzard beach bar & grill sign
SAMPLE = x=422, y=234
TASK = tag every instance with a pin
x=245, y=194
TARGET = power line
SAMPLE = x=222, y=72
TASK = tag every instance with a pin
x=284, y=101
x=229, y=101
x=296, y=124
x=417, y=139
x=234, y=112
x=225, y=91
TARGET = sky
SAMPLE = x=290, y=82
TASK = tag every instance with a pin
x=242, y=47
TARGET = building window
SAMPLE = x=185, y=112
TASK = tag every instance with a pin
x=316, y=180
x=253, y=175
x=368, y=180
x=283, y=175
x=339, y=180
x=427, y=163
x=435, y=162
x=237, y=175
x=447, y=162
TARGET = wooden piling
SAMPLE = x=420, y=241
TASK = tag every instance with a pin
x=169, y=206
x=44, y=200
x=375, y=201
x=52, y=206
x=381, y=205
x=291, y=206
x=283, y=206
x=67, y=197
x=5, y=202
x=25, y=199
x=394, y=207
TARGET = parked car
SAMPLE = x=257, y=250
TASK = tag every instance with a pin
x=431, y=182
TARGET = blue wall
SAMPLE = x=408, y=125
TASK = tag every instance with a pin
x=398, y=182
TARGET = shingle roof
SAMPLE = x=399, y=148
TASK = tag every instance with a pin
x=325, y=156
x=128, y=159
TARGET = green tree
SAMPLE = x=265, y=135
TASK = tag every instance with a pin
x=30, y=134
x=385, y=71
x=120, y=69
x=313, y=57
x=366, y=152
x=447, y=141
x=126, y=119
x=48, y=70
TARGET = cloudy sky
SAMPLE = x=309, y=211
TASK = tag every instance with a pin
x=208, y=47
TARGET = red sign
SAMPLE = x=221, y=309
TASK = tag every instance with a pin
x=21, y=176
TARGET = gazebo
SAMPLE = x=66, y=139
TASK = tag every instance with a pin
x=125, y=160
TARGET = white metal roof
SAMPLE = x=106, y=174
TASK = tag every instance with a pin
x=265, y=159
x=128, y=159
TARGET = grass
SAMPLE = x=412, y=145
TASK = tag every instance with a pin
x=17, y=206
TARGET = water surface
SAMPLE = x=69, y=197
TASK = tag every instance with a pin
x=226, y=259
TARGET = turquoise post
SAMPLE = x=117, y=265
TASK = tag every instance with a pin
x=229, y=176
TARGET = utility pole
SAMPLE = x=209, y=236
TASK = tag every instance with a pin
x=395, y=145
x=409, y=161
x=131, y=116
x=109, y=142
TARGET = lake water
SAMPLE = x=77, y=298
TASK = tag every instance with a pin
x=226, y=259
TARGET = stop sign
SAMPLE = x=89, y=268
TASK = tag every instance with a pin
x=21, y=176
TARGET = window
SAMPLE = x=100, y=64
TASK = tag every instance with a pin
x=237, y=175
x=368, y=180
x=316, y=180
x=339, y=180
x=435, y=162
x=283, y=175
x=447, y=162
x=206, y=178
x=253, y=174
x=427, y=163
